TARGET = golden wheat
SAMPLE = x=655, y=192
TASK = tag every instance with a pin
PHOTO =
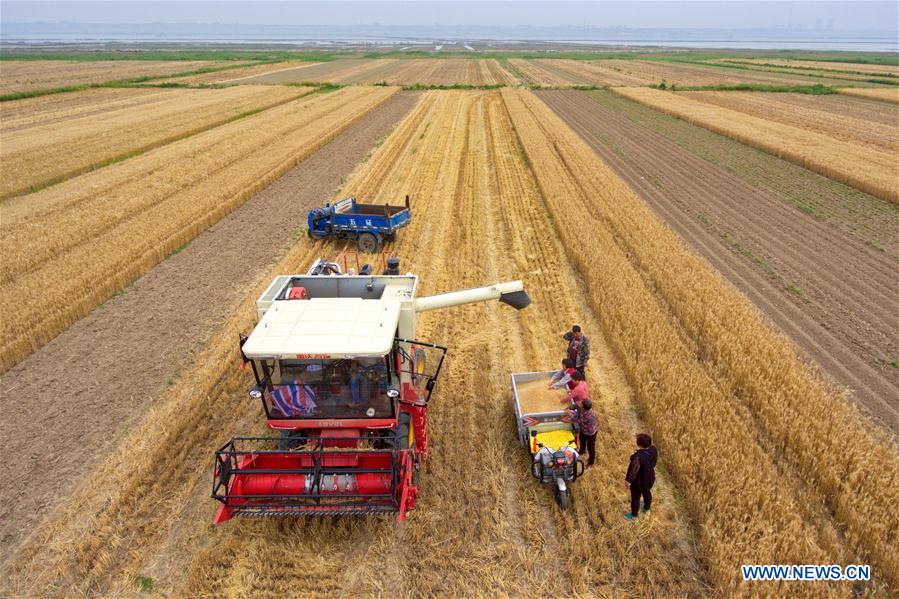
x=29, y=75
x=890, y=94
x=842, y=118
x=472, y=534
x=864, y=168
x=875, y=69
x=711, y=374
x=97, y=233
x=48, y=152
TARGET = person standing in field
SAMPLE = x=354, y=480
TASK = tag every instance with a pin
x=578, y=393
x=641, y=475
x=578, y=348
x=562, y=377
x=585, y=418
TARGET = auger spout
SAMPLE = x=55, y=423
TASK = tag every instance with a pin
x=511, y=293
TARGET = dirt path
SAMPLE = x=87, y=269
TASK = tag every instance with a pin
x=828, y=290
x=68, y=404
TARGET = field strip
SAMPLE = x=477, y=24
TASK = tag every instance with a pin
x=331, y=72
x=442, y=158
x=716, y=378
x=844, y=118
x=884, y=95
x=111, y=226
x=599, y=73
x=31, y=75
x=844, y=319
x=44, y=110
x=34, y=157
x=864, y=168
x=819, y=65
x=151, y=332
x=685, y=72
x=536, y=73
x=855, y=214
x=234, y=75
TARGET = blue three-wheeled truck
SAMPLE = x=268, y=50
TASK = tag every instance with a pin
x=368, y=224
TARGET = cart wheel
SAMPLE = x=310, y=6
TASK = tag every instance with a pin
x=391, y=237
x=367, y=243
x=563, y=499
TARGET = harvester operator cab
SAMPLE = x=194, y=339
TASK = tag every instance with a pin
x=318, y=388
x=351, y=389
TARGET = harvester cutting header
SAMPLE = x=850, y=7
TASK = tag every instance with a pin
x=342, y=378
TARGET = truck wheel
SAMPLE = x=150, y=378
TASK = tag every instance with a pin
x=367, y=243
x=391, y=237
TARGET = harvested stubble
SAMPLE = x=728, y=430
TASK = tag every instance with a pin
x=757, y=443
x=870, y=170
x=30, y=75
x=853, y=120
x=681, y=74
x=36, y=156
x=537, y=74
x=237, y=75
x=887, y=94
x=840, y=67
x=335, y=71
x=95, y=234
x=597, y=72
x=43, y=110
x=471, y=534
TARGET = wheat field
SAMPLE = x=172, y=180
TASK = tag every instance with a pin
x=726, y=368
x=890, y=94
x=29, y=75
x=677, y=352
x=69, y=247
x=41, y=153
x=859, y=122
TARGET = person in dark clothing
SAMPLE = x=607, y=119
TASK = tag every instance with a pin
x=578, y=348
x=585, y=418
x=641, y=475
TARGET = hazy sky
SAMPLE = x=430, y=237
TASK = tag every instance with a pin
x=857, y=16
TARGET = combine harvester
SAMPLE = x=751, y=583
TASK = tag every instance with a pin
x=342, y=379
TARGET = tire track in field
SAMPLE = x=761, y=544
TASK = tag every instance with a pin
x=847, y=323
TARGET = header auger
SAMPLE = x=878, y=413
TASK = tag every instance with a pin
x=344, y=382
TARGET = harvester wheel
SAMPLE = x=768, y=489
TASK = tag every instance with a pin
x=368, y=243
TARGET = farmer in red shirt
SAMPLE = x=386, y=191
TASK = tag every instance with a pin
x=579, y=392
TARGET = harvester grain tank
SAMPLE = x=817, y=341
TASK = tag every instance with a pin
x=343, y=380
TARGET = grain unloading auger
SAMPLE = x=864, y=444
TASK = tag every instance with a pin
x=342, y=379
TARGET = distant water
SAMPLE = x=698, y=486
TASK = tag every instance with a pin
x=850, y=45
x=867, y=44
